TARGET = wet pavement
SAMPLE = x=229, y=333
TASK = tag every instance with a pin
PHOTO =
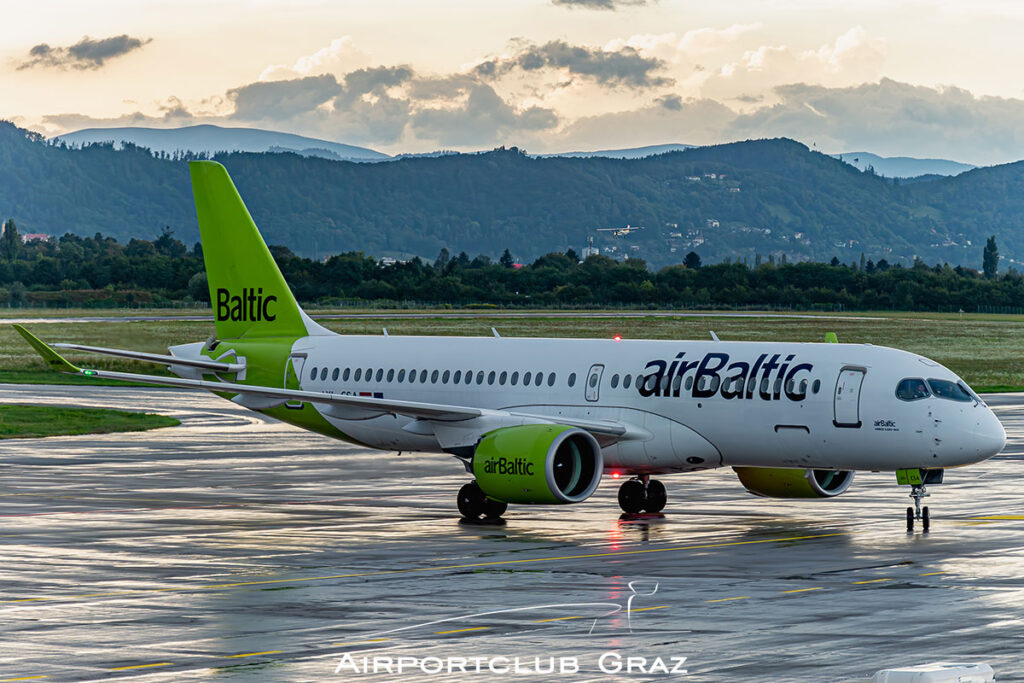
x=237, y=548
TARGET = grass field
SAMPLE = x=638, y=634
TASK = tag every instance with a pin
x=984, y=349
x=25, y=422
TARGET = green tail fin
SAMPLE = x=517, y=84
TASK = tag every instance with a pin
x=247, y=291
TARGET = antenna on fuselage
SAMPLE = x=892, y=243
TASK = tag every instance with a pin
x=385, y=330
x=714, y=336
x=831, y=338
x=496, y=333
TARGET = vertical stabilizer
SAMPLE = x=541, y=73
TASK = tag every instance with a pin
x=247, y=291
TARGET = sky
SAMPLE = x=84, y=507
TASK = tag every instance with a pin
x=892, y=77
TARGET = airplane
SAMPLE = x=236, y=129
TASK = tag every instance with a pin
x=540, y=421
x=621, y=232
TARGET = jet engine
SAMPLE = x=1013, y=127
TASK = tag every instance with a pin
x=538, y=463
x=777, y=482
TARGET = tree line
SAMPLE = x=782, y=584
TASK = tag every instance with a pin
x=99, y=271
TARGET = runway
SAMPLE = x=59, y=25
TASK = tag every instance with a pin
x=234, y=547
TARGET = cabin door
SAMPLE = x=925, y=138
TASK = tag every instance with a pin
x=847, y=398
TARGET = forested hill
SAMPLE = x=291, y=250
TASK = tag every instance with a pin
x=735, y=200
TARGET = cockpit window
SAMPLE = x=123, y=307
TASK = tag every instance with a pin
x=949, y=390
x=912, y=389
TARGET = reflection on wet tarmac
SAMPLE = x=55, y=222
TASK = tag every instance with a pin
x=240, y=545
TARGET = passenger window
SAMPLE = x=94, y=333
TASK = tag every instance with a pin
x=911, y=390
x=572, y=379
x=380, y=374
x=458, y=377
x=526, y=379
x=401, y=375
x=949, y=390
x=469, y=376
x=345, y=375
x=538, y=379
x=412, y=377
x=515, y=378
x=490, y=377
x=391, y=375
x=664, y=383
x=551, y=380
x=323, y=374
x=803, y=386
x=312, y=373
x=615, y=381
x=480, y=377
x=359, y=373
x=433, y=377
x=689, y=382
x=334, y=374
x=502, y=378
x=593, y=380
x=676, y=383
x=369, y=374
x=423, y=376
x=627, y=381
x=445, y=376
x=816, y=387
x=778, y=385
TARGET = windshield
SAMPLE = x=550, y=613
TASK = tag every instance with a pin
x=949, y=390
x=912, y=389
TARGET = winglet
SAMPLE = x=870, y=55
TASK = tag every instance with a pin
x=52, y=358
x=831, y=338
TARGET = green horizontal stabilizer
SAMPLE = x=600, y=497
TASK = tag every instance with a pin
x=52, y=358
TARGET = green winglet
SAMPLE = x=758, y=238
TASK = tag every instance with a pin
x=52, y=358
x=831, y=338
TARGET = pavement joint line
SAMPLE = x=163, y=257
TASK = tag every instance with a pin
x=857, y=583
x=361, y=642
x=740, y=597
x=141, y=666
x=388, y=572
x=256, y=654
x=804, y=590
x=462, y=630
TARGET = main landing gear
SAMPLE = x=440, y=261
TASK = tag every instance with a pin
x=918, y=492
x=642, y=494
x=473, y=502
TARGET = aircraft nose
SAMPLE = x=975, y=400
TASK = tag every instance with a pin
x=987, y=436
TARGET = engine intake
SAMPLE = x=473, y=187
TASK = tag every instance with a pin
x=538, y=464
x=778, y=482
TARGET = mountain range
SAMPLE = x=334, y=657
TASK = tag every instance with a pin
x=726, y=201
x=903, y=167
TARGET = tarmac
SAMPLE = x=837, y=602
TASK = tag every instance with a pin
x=237, y=548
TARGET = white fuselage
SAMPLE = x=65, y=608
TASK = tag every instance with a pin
x=698, y=404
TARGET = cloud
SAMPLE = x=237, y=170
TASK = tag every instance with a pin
x=281, y=100
x=598, y=4
x=625, y=66
x=88, y=53
x=483, y=119
x=340, y=56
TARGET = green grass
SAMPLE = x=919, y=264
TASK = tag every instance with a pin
x=986, y=350
x=25, y=422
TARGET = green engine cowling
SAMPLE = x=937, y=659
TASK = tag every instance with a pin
x=778, y=482
x=546, y=464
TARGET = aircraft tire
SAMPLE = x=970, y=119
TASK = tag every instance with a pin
x=632, y=496
x=910, y=519
x=657, y=497
x=926, y=521
x=471, y=500
x=494, y=509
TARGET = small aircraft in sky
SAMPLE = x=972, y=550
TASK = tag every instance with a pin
x=621, y=232
x=540, y=421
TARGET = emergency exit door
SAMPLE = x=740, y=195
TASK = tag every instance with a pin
x=847, y=398
x=593, y=386
x=292, y=373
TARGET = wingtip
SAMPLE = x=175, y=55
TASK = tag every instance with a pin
x=52, y=358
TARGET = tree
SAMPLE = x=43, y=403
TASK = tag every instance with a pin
x=834, y=262
x=692, y=261
x=10, y=243
x=506, y=259
x=990, y=258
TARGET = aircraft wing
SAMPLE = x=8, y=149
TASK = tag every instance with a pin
x=260, y=397
x=211, y=365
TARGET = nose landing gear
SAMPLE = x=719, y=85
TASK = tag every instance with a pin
x=918, y=492
x=642, y=494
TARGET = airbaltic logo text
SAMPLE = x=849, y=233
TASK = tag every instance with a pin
x=769, y=377
x=251, y=306
x=518, y=466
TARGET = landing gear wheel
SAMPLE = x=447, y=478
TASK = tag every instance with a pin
x=632, y=496
x=918, y=492
x=472, y=500
x=656, y=497
x=494, y=508
x=910, y=519
x=926, y=522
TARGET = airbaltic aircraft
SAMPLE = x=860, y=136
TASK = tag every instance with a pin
x=541, y=420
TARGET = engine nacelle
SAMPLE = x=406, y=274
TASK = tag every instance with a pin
x=778, y=482
x=538, y=463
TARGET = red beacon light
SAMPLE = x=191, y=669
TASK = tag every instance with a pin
x=617, y=338
x=615, y=475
